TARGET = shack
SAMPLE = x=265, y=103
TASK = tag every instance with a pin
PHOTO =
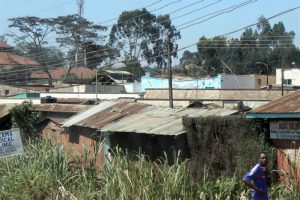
x=283, y=115
x=52, y=116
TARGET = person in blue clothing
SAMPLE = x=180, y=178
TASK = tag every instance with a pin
x=258, y=179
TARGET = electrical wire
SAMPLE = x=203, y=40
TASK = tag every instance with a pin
x=140, y=29
x=281, y=13
x=222, y=12
x=93, y=52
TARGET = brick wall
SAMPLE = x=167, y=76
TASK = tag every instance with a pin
x=73, y=142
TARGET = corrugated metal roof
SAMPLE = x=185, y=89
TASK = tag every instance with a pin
x=103, y=114
x=62, y=108
x=87, y=113
x=287, y=104
x=160, y=121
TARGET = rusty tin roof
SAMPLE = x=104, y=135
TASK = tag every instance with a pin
x=160, y=121
x=104, y=113
x=60, y=108
x=128, y=117
x=287, y=106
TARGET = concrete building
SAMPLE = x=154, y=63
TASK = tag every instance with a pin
x=7, y=90
x=291, y=77
x=221, y=81
x=225, y=98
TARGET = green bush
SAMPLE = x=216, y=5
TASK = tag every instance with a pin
x=225, y=145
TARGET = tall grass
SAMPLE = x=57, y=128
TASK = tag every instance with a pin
x=44, y=172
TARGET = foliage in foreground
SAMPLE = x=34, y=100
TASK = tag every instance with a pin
x=43, y=172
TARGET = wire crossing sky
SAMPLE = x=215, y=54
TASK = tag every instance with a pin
x=107, y=12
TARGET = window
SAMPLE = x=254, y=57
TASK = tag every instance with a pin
x=6, y=92
x=259, y=81
x=287, y=81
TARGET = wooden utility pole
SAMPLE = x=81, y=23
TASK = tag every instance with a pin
x=170, y=73
x=282, y=76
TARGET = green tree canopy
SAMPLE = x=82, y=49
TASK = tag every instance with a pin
x=142, y=35
x=266, y=43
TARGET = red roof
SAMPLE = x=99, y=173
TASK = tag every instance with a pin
x=59, y=73
x=8, y=57
x=3, y=45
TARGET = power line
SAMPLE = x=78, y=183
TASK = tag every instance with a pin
x=220, y=47
x=95, y=51
x=132, y=17
x=274, y=16
x=154, y=35
x=140, y=29
x=54, y=7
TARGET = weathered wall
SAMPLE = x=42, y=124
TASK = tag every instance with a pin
x=287, y=159
x=73, y=142
x=88, y=95
x=6, y=90
x=215, y=94
x=230, y=81
x=230, y=104
x=261, y=80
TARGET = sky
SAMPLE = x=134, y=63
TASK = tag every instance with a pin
x=183, y=11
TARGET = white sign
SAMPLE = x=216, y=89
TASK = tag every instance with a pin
x=10, y=143
x=286, y=130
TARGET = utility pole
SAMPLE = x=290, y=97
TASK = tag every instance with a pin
x=80, y=13
x=282, y=77
x=170, y=73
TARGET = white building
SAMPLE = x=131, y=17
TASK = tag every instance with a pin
x=290, y=77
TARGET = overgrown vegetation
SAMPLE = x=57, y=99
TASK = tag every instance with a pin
x=229, y=145
x=24, y=118
x=43, y=172
x=225, y=145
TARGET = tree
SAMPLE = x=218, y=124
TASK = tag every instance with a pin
x=268, y=44
x=147, y=35
x=134, y=67
x=32, y=39
x=191, y=63
x=84, y=39
x=24, y=118
x=160, y=50
x=212, y=52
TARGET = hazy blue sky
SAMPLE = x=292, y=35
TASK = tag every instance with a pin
x=99, y=11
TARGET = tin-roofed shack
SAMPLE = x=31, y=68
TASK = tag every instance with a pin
x=91, y=121
x=52, y=116
x=283, y=115
x=136, y=126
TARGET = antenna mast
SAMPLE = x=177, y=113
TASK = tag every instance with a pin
x=80, y=7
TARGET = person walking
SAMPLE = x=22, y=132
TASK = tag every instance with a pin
x=258, y=179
